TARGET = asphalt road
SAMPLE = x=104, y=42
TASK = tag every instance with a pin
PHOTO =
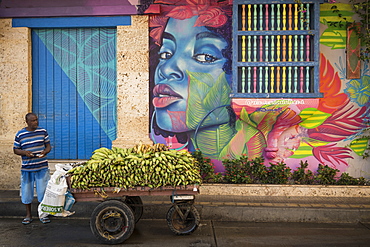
x=155, y=233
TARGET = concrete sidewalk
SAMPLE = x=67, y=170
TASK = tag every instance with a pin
x=243, y=203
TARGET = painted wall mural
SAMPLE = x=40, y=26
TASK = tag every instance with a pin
x=191, y=108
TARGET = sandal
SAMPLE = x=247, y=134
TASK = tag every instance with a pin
x=45, y=220
x=26, y=221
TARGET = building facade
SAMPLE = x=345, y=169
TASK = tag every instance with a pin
x=274, y=79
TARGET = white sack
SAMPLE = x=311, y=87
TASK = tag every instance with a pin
x=54, y=197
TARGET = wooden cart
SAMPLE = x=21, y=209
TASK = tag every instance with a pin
x=113, y=220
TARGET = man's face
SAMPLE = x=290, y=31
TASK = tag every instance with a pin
x=32, y=122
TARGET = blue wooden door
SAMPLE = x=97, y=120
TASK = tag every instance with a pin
x=74, y=88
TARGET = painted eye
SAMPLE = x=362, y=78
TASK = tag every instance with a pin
x=165, y=55
x=205, y=58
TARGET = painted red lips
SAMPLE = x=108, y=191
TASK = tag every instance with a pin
x=164, y=96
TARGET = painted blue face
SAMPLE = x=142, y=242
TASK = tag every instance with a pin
x=185, y=48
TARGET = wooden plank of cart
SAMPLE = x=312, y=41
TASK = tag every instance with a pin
x=113, y=220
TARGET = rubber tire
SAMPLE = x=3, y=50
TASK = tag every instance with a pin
x=177, y=225
x=109, y=230
x=136, y=204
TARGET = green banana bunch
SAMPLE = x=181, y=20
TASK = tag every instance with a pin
x=146, y=148
x=143, y=165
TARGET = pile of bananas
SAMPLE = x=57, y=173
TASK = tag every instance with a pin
x=142, y=165
x=145, y=148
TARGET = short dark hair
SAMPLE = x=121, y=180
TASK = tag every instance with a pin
x=30, y=114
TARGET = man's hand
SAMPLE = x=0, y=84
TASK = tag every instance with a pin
x=42, y=154
x=23, y=153
x=45, y=151
x=29, y=154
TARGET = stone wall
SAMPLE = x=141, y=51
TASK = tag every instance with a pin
x=15, y=95
x=133, y=83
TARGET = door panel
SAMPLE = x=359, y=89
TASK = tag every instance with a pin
x=74, y=88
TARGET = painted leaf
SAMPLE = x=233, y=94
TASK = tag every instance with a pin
x=197, y=91
x=218, y=94
x=332, y=156
x=205, y=95
x=248, y=140
x=359, y=145
x=328, y=15
x=335, y=35
x=265, y=120
x=244, y=116
x=345, y=121
x=330, y=85
x=312, y=118
x=305, y=148
x=212, y=140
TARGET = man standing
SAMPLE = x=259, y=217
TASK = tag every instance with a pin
x=33, y=143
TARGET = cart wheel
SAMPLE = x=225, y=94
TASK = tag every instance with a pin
x=112, y=222
x=183, y=218
x=136, y=204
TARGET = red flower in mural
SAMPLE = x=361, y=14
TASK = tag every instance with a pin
x=332, y=156
x=185, y=2
x=211, y=17
x=157, y=21
x=183, y=12
x=173, y=2
x=208, y=14
x=158, y=24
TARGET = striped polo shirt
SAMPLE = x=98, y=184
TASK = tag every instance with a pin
x=33, y=141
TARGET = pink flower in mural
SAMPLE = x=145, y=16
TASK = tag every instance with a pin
x=332, y=156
